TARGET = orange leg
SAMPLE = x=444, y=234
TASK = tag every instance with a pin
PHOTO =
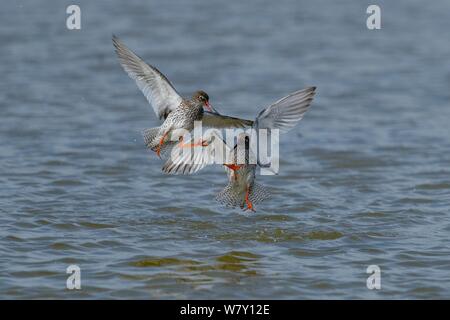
x=201, y=143
x=234, y=167
x=248, y=202
x=161, y=142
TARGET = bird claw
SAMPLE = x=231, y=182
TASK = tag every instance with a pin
x=250, y=208
x=161, y=142
x=233, y=167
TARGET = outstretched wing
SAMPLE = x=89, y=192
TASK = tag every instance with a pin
x=154, y=85
x=217, y=120
x=186, y=159
x=283, y=115
x=286, y=112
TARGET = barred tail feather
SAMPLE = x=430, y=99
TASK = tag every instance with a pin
x=233, y=196
x=166, y=149
x=149, y=136
x=259, y=193
x=152, y=138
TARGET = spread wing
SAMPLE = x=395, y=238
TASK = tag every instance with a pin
x=154, y=85
x=217, y=120
x=286, y=112
x=283, y=115
x=188, y=160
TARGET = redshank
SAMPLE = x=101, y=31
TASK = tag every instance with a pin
x=177, y=113
x=242, y=190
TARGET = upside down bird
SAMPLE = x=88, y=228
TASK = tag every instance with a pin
x=242, y=190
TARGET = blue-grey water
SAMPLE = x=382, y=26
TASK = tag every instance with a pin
x=364, y=179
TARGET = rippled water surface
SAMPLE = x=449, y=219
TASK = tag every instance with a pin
x=365, y=178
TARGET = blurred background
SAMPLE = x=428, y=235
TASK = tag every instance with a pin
x=364, y=179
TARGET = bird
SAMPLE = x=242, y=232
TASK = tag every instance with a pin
x=242, y=189
x=177, y=113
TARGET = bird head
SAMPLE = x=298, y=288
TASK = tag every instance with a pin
x=202, y=98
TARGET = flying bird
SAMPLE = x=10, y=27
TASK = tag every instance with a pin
x=175, y=111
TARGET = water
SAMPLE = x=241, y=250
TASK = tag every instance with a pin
x=363, y=180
